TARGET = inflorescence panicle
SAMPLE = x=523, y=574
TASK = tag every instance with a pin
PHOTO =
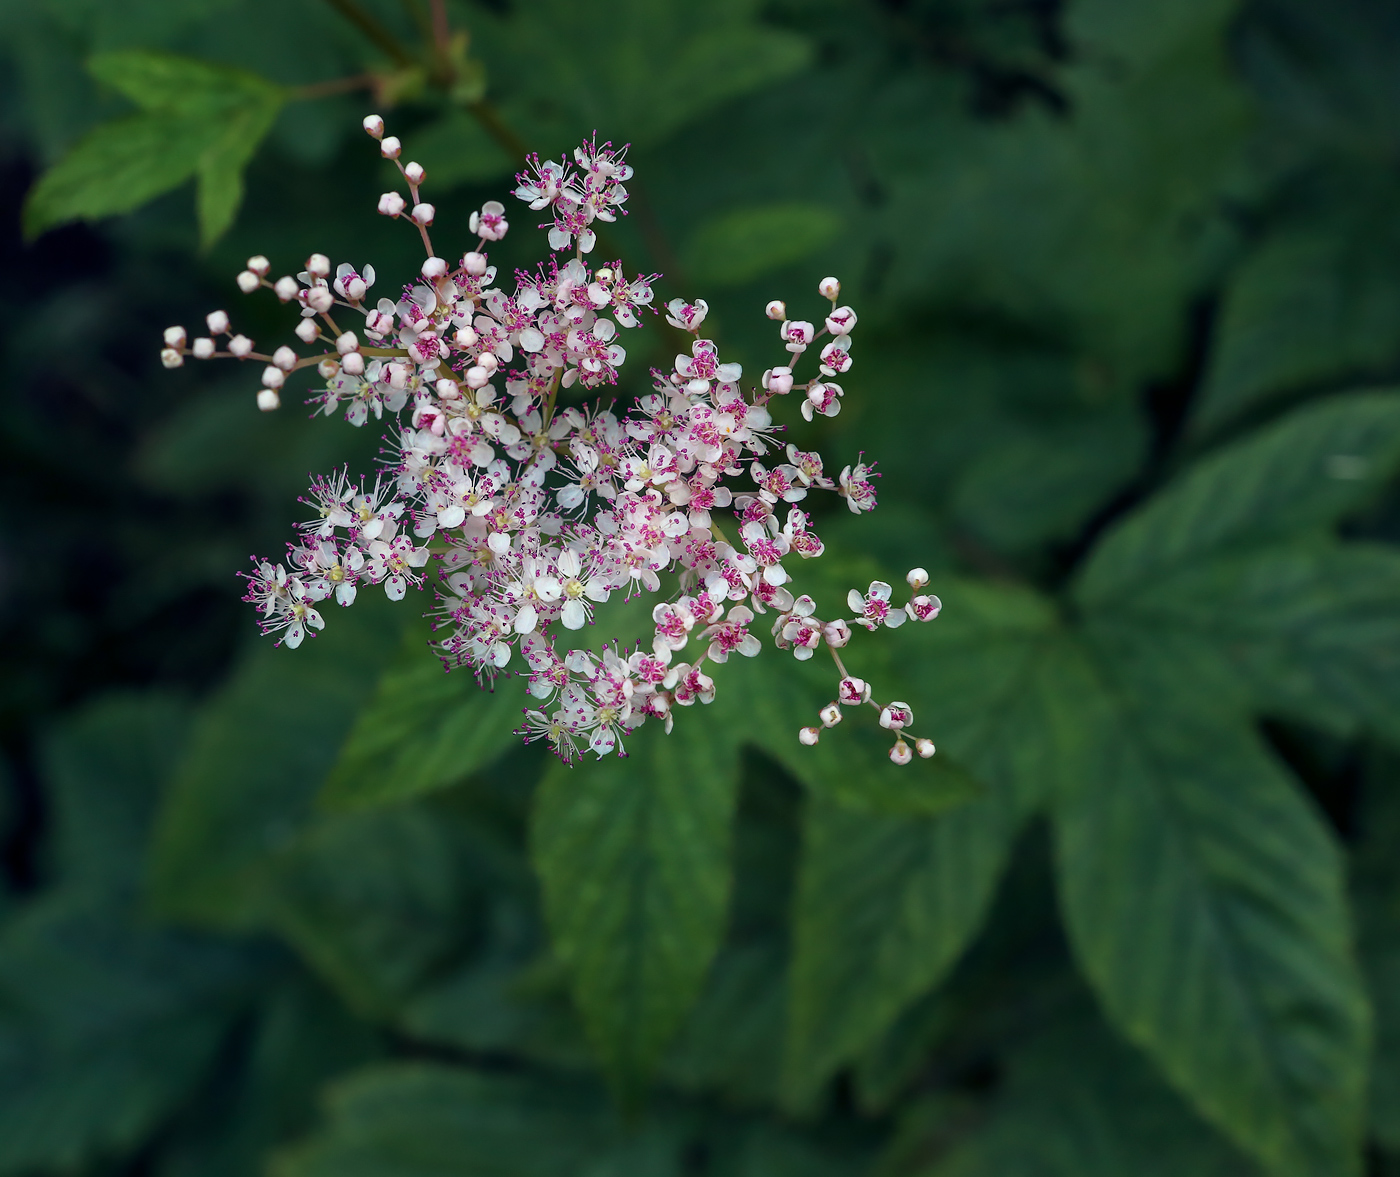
x=536, y=514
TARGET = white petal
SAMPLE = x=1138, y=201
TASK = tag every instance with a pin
x=574, y=615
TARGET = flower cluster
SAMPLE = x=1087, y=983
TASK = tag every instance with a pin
x=534, y=512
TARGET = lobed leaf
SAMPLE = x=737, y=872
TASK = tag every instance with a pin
x=1298, y=476
x=633, y=856
x=1204, y=901
x=423, y=730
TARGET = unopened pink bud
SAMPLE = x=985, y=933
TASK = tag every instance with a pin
x=423, y=214
x=202, y=348
x=389, y=148
x=391, y=204
x=248, y=281
x=830, y=715
x=916, y=578
x=434, y=267
x=320, y=299
x=465, y=337
x=171, y=358
x=268, y=400
x=776, y=310
x=286, y=288
x=477, y=376
x=924, y=748
x=328, y=367
x=318, y=265
x=447, y=389
x=488, y=361
x=240, y=346
x=259, y=265
x=347, y=343
x=829, y=288
x=379, y=323
x=285, y=358
x=174, y=337
x=307, y=331
x=414, y=173
x=474, y=263
x=837, y=633
x=355, y=289
x=353, y=364
x=217, y=322
x=273, y=377
x=374, y=126
x=398, y=376
x=809, y=735
x=901, y=753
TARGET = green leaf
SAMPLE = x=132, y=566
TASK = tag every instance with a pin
x=1317, y=301
x=197, y=118
x=887, y=904
x=1077, y=1103
x=258, y=755
x=104, y=1029
x=221, y=166
x=1297, y=476
x=421, y=1120
x=105, y=768
x=633, y=855
x=423, y=730
x=117, y=167
x=375, y=902
x=1307, y=630
x=742, y=244
x=1204, y=900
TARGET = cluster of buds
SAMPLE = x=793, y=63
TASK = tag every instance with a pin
x=533, y=511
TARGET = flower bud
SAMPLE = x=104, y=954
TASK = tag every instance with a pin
x=285, y=358
x=391, y=204
x=286, y=288
x=389, y=148
x=447, y=389
x=924, y=748
x=171, y=358
x=901, y=753
x=853, y=691
x=355, y=289
x=318, y=265
x=259, y=265
x=434, y=267
x=268, y=399
x=896, y=716
x=776, y=310
x=379, y=323
x=474, y=263
x=488, y=361
x=347, y=343
x=465, y=337
x=239, y=346
x=320, y=299
x=328, y=367
x=829, y=288
x=477, y=376
x=414, y=173
x=353, y=364
x=374, y=126
x=830, y=715
x=273, y=377
x=202, y=348
x=307, y=331
x=398, y=376
x=174, y=337
x=809, y=735
x=917, y=578
x=248, y=281
x=778, y=381
x=423, y=214
x=217, y=322
x=837, y=633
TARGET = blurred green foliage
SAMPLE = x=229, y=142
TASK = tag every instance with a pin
x=1129, y=287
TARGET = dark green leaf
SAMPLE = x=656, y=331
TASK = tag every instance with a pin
x=634, y=858
x=166, y=82
x=1204, y=900
x=374, y=902
x=1298, y=476
x=420, y=1120
x=104, y=1029
x=106, y=767
x=221, y=166
x=258, y=755
x=425, y=729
